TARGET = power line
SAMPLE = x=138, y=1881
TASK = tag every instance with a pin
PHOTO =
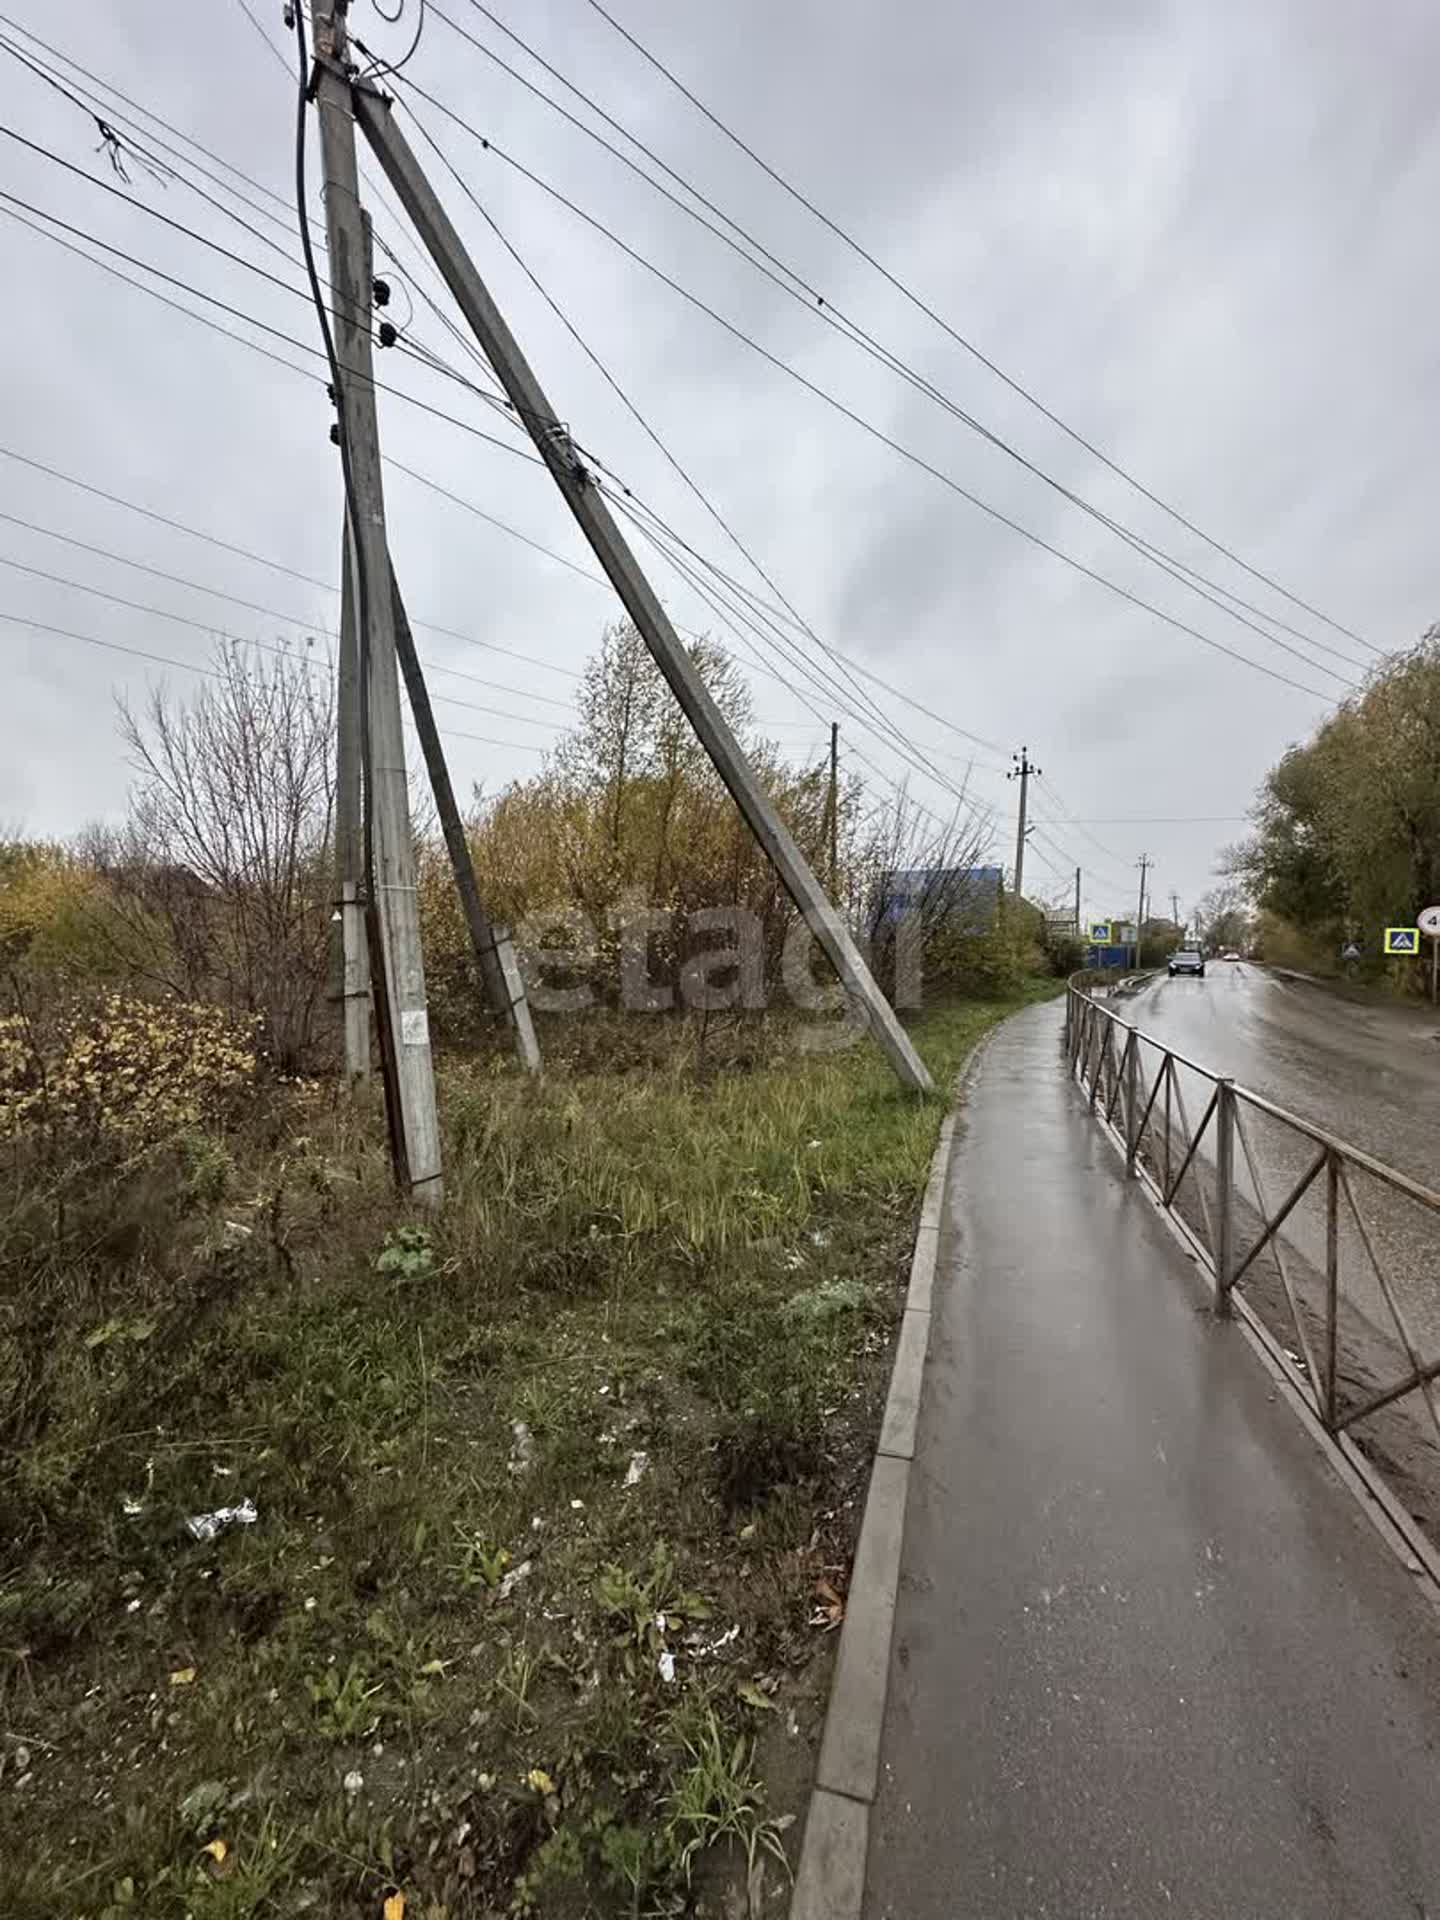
x=636, y=414
x=190, y=232
x=244, y=6
x=824, y=309
x=877, y=433
x=239, y=260
x=514, y=449
x=960, y=340
x=210, y=627
x=272, y=613
x=196, y=666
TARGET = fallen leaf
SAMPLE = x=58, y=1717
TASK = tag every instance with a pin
x=182, y=1677
x=217, y=1851
x=831, y=1605
x=753, y=1697
x=394, y=1908
x=540, y=1780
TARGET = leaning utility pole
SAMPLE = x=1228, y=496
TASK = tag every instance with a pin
x=582, y=495
x=393, y=910
x=1144, y=864
x=1022, y=772
x=834, y=806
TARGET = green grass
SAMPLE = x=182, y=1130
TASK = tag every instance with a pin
x=436, y=1663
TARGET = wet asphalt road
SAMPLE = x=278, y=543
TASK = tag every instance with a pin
x=1149, y=1658
x=1369, y=1074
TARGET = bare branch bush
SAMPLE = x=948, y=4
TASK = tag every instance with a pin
x=224, y=856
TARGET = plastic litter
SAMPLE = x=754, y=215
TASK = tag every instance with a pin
x=667, y=1667
x=522, y=1454
x=205, y=1526
x=514, y=1577
x=639, y=1465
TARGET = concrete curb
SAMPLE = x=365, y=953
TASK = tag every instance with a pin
x=830, y=1884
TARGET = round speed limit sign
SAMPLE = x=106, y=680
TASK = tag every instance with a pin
x=1429, y=922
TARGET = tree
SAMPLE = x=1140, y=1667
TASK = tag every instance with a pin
x=225, y=850
x=1223, y=917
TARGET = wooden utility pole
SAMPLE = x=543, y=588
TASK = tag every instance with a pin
x=834, y=806
x=349, y=833
x=1175, y=912
x=1077, y=899
x=395, y=907
x=1022, y=771
x=1144, y=865
x=513, y=1008
x=583, y=497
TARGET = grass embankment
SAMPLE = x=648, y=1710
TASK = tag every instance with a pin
x=553, y=1496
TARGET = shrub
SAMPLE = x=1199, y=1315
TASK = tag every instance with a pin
x=122, y=1071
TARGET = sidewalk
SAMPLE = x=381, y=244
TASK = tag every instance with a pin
x=1149, y=1657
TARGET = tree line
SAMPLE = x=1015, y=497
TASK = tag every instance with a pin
x=1347, y=824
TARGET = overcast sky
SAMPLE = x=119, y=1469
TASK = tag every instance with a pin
x=1202, y=235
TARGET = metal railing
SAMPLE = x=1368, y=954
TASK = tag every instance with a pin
x=1318, y=1267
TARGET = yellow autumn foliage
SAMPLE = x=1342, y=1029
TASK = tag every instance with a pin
x=124, y=1069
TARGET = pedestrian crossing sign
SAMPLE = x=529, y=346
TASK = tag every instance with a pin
x=1402, y=939
x=1100, y=933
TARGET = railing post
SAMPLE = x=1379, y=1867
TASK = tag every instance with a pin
x=1132, y=1100
x=1225, y=1193
x=1169, y=1071
x=1331, y=1407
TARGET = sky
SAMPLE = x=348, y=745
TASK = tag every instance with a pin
x=1198, y=235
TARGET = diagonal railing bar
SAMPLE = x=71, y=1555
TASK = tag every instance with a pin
x=1402, y=1326
x=1149, y=1106
x=1119, y=1080
x=1302, y=1334
x=1297, y=1193
x=1174, y=1187
x=1195, y=1138
x=1420, y=1377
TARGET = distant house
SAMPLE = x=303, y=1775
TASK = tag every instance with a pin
x=965, y=897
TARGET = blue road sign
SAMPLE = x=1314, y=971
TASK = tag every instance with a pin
x=1402, y=939
x=1100, y=932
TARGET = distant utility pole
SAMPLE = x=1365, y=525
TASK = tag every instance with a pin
x=1077, y=899
x=583, y=495
x=1144, y=863
x=1022, y=771
x=392, y=909
x=834, y=806
x=1175, y=912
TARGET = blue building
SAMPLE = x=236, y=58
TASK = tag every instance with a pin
x=968, y=896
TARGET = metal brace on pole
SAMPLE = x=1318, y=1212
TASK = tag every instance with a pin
x=555, y=447
x=501, y=993
x=354, y=970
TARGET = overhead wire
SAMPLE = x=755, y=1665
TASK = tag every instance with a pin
x=254, y=606
x=826, y=310
x=239, y=260
x=960, y=339
x=840, y=406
